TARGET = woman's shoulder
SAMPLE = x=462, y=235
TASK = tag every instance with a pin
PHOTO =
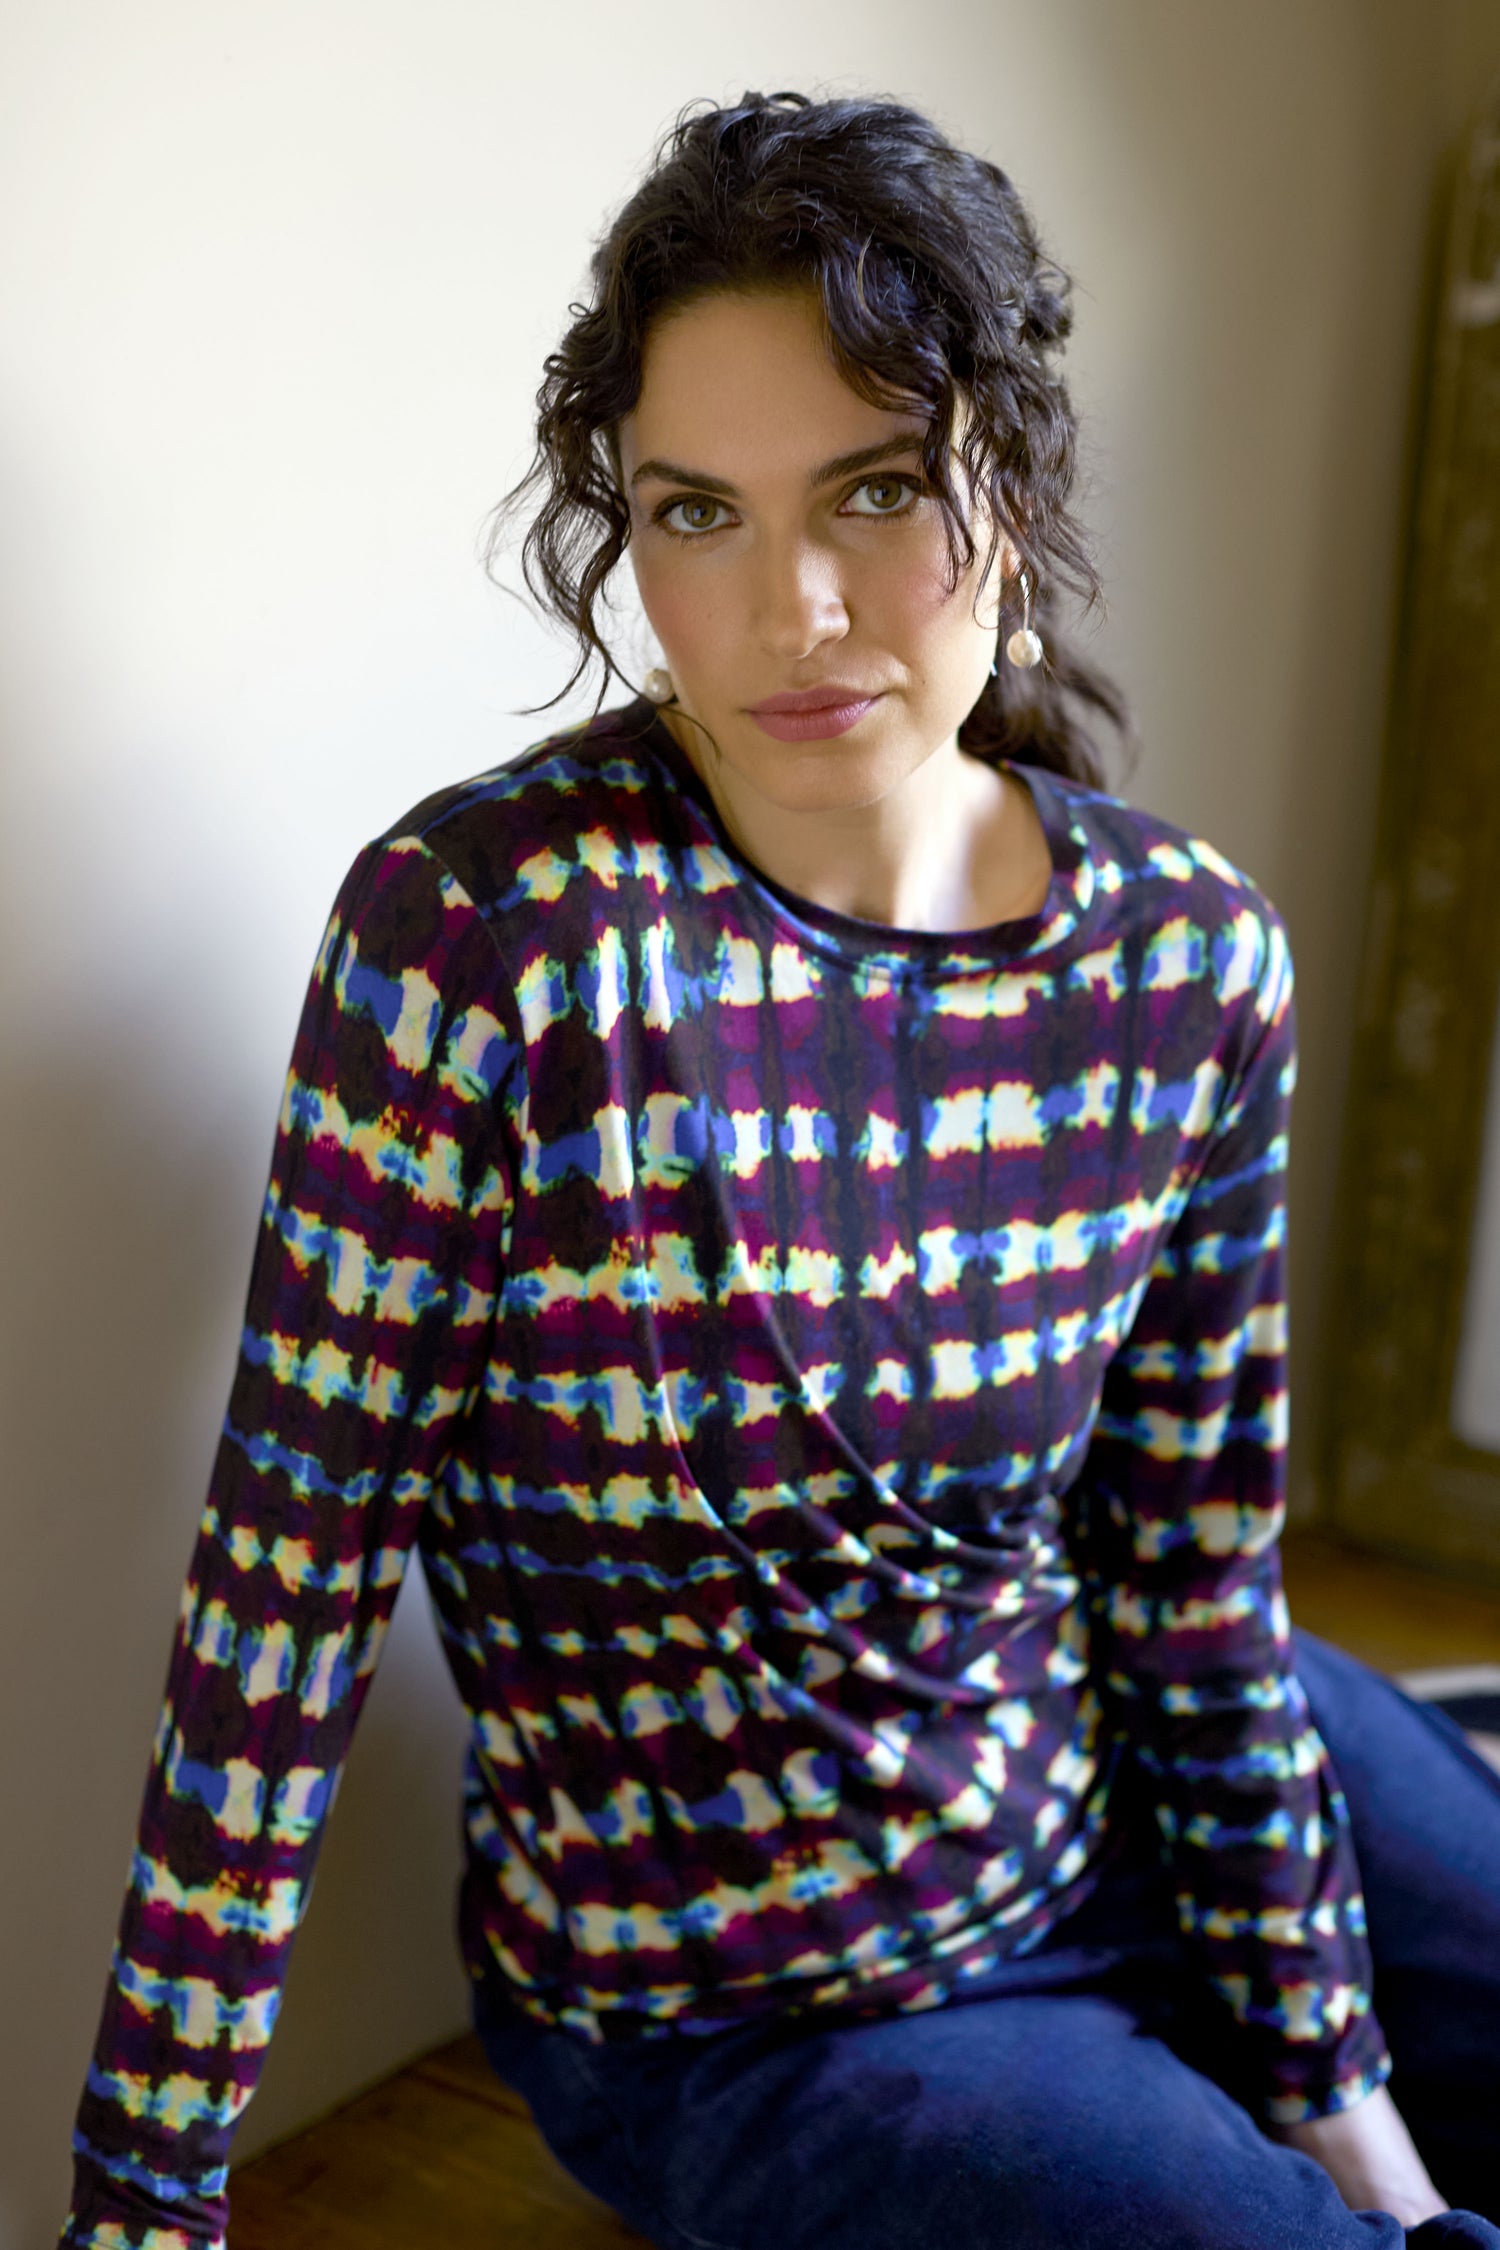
x=520, y=832
x=1156, y=873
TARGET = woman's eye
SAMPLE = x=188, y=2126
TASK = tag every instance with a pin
x=890, y=494
x=694, y=511
x=697, y=514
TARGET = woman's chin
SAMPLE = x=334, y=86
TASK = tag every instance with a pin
x=795, y=782
x=825, y=774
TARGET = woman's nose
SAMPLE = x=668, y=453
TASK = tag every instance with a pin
x=799, y=600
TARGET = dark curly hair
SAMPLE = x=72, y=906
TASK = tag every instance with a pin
x=935, y=292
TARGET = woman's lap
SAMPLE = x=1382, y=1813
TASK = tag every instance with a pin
x=1425, y=1812
x=1090, y=2114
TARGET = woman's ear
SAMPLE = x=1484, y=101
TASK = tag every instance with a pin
x=1002, y=567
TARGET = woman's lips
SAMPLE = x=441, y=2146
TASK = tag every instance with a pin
x=806, y=726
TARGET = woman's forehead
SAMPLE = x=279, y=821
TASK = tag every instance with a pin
x=726, y=355
x=747, y=378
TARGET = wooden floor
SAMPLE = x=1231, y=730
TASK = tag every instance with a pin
x=1397, y=1619
x=441, y=2157
x=445, y=2157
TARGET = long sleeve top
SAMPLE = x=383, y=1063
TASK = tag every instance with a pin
x=834, y=1377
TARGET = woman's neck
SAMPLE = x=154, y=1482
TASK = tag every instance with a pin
x=957, y=845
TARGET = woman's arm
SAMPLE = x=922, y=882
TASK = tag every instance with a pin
x=1370, y=2157
x=1179, y=1510
x=375, y=1277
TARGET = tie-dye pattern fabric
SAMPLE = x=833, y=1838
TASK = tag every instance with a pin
x=834, y=1378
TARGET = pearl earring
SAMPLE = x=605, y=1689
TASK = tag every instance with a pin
x=1024, y=647
x=658, y=685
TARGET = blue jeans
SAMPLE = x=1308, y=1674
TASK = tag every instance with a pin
x=1084, y=2100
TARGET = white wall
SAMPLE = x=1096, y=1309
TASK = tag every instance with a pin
x=275, y=285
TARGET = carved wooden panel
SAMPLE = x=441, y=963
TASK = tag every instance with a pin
x=1399, y=1478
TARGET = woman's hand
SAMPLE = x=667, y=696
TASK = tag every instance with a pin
x=1370, y=2157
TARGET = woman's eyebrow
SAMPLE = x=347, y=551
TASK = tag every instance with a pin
x=843, y=465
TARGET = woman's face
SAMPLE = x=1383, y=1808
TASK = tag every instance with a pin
x=781, y=540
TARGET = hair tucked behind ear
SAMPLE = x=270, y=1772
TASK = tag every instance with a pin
x=936, y=298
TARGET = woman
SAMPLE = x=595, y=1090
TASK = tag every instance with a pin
x=779, y=1197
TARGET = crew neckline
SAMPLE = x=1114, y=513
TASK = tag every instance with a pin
x=951, y=952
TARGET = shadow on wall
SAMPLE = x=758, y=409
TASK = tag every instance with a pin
x=127, y=1242
x=1268, y=491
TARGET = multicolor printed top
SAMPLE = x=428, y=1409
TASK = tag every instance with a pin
x=834, y=1377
